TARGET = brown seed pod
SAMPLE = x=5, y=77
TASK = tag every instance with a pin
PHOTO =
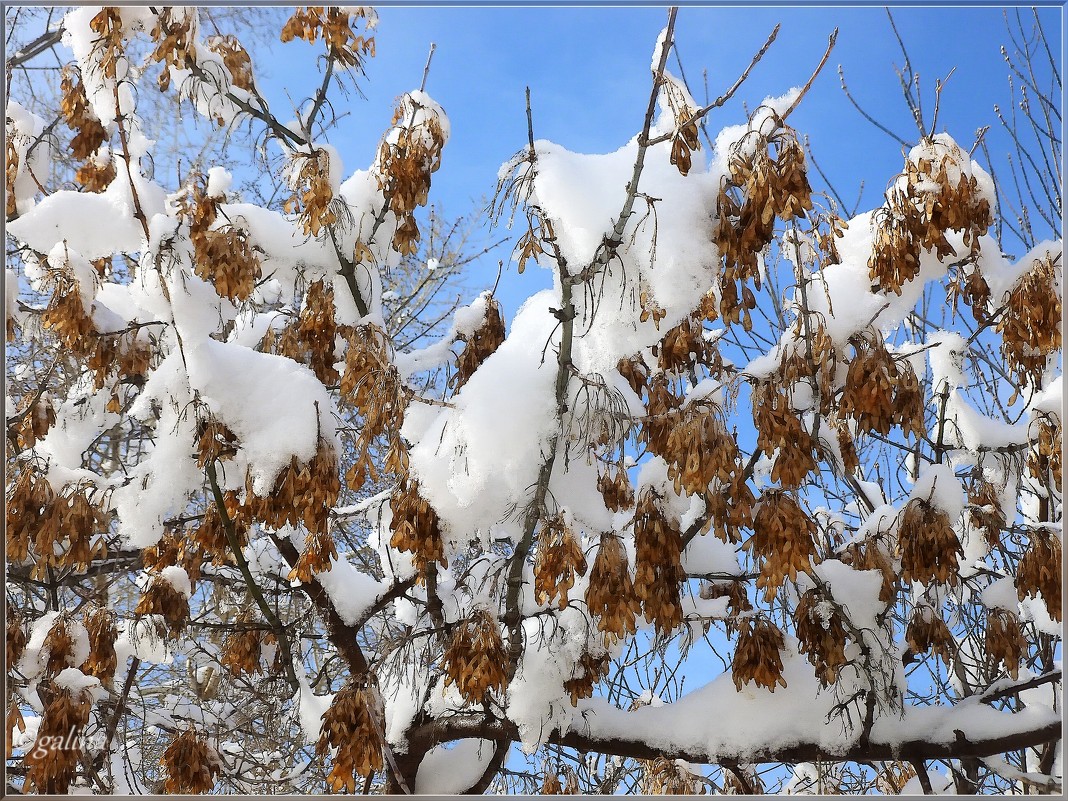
x=352, y=728
x=929, y=545
x=658, y=573
x=985, y=510
x=476, y=658
x=758, y=654
x=189, y=765
x=241, y=647
x=1039, y=570
x=334, y=25
x=780, y=429
x=235, y=58
x=302, y=493
x=16, y=637
x=52, y=767
x=102, y=661
x=821, y=634
x=586, y=675
x=614, y=486
x=737, y=600
x=79, y=116
x=928, y=632
x=481, y=344
x=1044, y=458
x=416, y=527
x=610, y=592
x=160, y=597
x=215, y=442
x=1005, y=643
x=558, y=559
x=784, y=538
x=664, y=776
x=1030, y=328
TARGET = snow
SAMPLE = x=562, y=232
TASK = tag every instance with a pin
x=74, y=681
x=351, y=592
x=219, y=181
x=454, y=768
x=940, y=487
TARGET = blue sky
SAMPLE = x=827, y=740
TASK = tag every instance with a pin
x=588, y=69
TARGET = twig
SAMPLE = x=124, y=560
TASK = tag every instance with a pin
x=819, y=68
x=426, y=69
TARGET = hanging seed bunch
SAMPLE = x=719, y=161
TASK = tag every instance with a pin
x=635, y=372
x=658, y=573
x=35, y=419
x=821, y=634
x=768, y=179
x=66, y=315
x=162, y=598
x=317, y=331
x=737, y=600
x=16, y=637
x=847, y=446
x=730, y=508
x=409, y=154
x=558, y=560
x=742, y=781
x=241, y=647
x=235, y=59
x=416, y=527
x=929, y=545
x=319, y=552
x=1039, y=571
x=350, y=728
x=1044, y=458
x=475, y=660
x=550, y=784
x=798, y=364
x=1005, y=643
x=970, y=286
x=11, y=174
x=894, y=777
x=79, y=115
x=59, y=643
x=97, y=173
x=758, y=654
x=614, y=486
x=870, y=554
x=174, y=34
x=880, y=391
x=102, y=661
x=935, y=194
x=29, y=504
x=65, y=531
x=80, y=520
x=313, y=197
x=586, y=675
x=610, y=593
x=215, y=442
x=52, y=768
x=985, y=509
x=660, y=419
x=481, y=344
x=783, y=538
x=373, y=385
x=666, y=777
x=1030, y=328
x=334, y=24
x=208, y=541
x=190, y=765
x=302, y=493
x=779, y=428
x=684, y=140
x=699, y=450
x=927, y=632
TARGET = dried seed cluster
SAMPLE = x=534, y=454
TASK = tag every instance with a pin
x=241, y=648
x=758, y=654
x=610, y=593
x=235, y=59
x=1030, y=328
x=334, y=25
x=683, y=347
x=1005, y=643
x=586, y=675
x=215, y=442
x=302, y=493
x=409, y=154
x=699, y=450
x=79, y=116
x=482, y=343
x=416, y=527
x=737, y=600
x=929, y=545
x=15, y=637
x=313, y=198
x=476, y=658
x=52, y=768
x=189, y=765
x=558, y=559
x=780, y=429
x=783, y=539
x=34, y=421
x=174, y=37
x=102, y=660
x=881, y=391
x=1039, y=571
x=927, y=632
x=768, y=179
x=60, y=531
x=935, y=194
x=1044, y=459
x=985, y=511
x=870, y=554
x=664, y=776
x=614, y=486
x=160, y=597
x=351, y=726
x=821, y=633
x=658, y=573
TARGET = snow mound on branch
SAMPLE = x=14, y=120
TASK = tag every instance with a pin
x=453, y=769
